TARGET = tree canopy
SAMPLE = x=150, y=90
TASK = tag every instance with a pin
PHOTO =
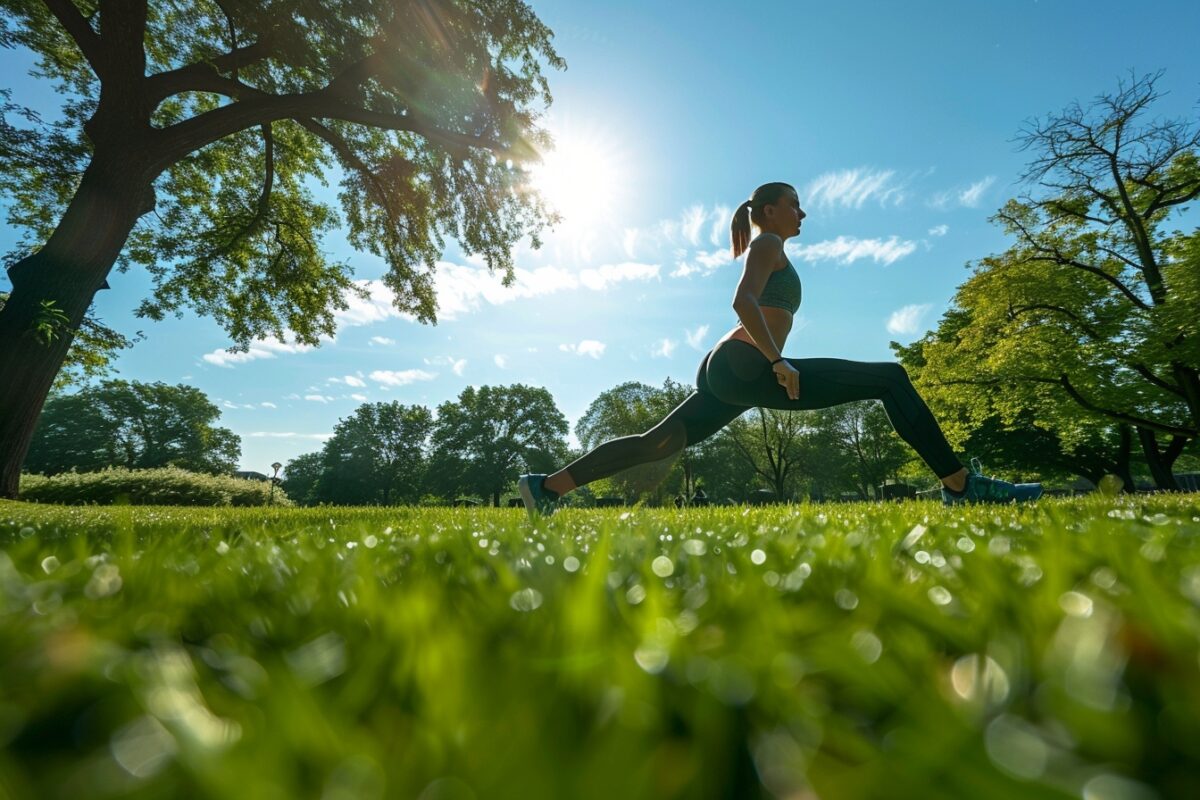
x=135, y=425
x=191, y=135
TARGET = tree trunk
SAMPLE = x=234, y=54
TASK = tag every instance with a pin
x=66, y=272
x=1161, y=461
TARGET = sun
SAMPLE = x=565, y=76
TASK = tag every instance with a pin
x=583, y=178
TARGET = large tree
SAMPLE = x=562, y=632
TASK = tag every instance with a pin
x=215, y=114
x=770, y=443
x=486, y=438
x=135, y=425
x=377, y=455
x=1094, y=305
x=862, y=433
x=633, y=408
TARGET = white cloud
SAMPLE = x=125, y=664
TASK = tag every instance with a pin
x=402, y=377
x=318, y=398
x=907, y=320
x=968, y=197
x=664, y=348
x=356, y=382
x=691, y=223
x=629, y=241
x=362, y=398
x=600, y=278
x=939, y=230
x=587, y=347
x=720, y=219
x=268, y=405
x=703, y=264
x=458, y=365
x=259, y=349
x=383, y=340
x=695, y=339
x=501, y=360
x=848, y=249
x=852, y=188
x=289, y=435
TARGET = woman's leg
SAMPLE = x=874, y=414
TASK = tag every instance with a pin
x=694, y=420
x=739, y=373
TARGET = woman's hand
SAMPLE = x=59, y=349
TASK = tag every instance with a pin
x=788, y=377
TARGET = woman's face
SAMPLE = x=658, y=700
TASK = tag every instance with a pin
x=785, y=215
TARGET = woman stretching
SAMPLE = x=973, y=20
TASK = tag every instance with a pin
x=746, y=369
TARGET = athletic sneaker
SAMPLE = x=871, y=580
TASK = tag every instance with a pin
x=981, y=489
x=537, y=498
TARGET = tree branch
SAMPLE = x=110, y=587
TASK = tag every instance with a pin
x=191, y=78
x=182, y=138
x=80, y=31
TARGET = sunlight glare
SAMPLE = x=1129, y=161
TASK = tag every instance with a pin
x=581, y=178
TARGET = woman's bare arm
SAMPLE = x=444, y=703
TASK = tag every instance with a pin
x=764, y=257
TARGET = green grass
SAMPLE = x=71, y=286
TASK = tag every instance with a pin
x=796, y=652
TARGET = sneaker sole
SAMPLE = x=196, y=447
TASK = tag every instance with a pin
x=526, y=496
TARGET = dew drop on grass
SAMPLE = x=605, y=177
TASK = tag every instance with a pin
x=921, y=557
x=49, y=564
x=370, y=542
x=940, y=596
x=526, y=599
x=662, y=566
x=979, y=678
x=652, y=657
x=846, y=600
x=758, y=557
x=636, y=594
x=571, y=564
x=867, y=645
x=1076, y=604
x=695, y=547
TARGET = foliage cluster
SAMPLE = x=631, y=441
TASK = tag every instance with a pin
x=134, y=425
x=850, y=651
x=166, y=486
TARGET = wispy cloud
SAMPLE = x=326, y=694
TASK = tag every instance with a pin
x=458, y=365
x=500, y=360
x=907, y=321
x=257, y=350
x=382, y=340
x=587, y=347
x=968, y=197
x=664, y=348
x=349, y=380
x=319, y=398
x=362, y=398
x=848, y=249
x=852, y=188
x=703, y=263
x=401, y=377
x=267, y=404
x=695, y=339
x=939, y=230
x=601, y=278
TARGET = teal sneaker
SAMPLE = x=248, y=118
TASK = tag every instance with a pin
x=981, y=489
x=537, y=498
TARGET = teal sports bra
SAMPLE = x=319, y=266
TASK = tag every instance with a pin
x=782, y=289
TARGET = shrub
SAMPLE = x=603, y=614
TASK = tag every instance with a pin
x=168, y=486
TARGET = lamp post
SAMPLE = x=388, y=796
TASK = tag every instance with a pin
x=274, y=477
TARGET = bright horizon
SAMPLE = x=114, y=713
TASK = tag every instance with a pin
x=896, y=124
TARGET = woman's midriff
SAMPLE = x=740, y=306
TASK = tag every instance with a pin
x=779, y=323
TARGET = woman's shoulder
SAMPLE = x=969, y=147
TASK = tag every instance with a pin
x=771, y=243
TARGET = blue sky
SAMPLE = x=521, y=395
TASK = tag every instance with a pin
x=896, y=122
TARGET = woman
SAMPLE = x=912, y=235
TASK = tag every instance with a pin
x=747, y=369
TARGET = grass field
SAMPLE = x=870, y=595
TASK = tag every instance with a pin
x=839, y=651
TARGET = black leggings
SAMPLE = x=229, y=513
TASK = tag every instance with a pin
x=735, y=376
